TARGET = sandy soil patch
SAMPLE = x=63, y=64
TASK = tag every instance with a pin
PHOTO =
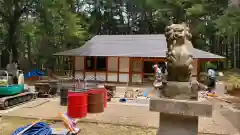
x=8, y=125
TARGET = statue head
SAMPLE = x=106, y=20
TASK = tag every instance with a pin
x=177, y=31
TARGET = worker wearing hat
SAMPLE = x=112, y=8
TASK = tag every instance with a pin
x=211, y=75
x=157, y=72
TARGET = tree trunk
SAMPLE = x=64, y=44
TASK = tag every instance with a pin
x=29, y=51
x=13, y=23
x=11, y=42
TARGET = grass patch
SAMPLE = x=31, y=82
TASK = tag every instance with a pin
x=232, y=80
x=8, y=125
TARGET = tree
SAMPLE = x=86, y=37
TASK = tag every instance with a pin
x=228, y=24
x=229, y=29
x=11, y=12
x=31, y=26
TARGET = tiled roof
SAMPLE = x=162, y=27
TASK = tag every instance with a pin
x=129, y=45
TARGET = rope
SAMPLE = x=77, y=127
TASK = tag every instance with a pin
x=39, y=128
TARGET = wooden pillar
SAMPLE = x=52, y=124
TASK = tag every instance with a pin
x=73, y=65
x=95, y=66
x=142, y=74
x=156, y=62
x=106, y=68
x=198, y=69
x=84, y=67
x=130, y=70
x=118, y=69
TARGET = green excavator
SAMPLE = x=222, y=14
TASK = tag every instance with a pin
x=12, y=91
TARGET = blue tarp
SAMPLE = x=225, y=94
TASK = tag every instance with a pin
x=39, y=128
x=33, y=73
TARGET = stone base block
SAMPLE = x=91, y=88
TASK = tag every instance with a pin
x=171, y=124
x=180, y=91
x=181, y=107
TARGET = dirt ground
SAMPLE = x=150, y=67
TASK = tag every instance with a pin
x=8, y=125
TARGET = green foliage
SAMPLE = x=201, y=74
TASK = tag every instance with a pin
x=196, y=10
x=232, y=80
x=37, y=29
x=228, y=24
x=211, y=65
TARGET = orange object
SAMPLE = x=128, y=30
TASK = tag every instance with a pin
x=68, y=122
x=211, y=95
x=34, y=78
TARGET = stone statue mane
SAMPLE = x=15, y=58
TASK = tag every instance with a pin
x=174, y=31
x=178, y=54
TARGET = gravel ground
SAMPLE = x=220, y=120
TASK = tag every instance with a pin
x=8, y=125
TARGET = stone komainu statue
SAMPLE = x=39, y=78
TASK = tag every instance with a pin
x=178, y=53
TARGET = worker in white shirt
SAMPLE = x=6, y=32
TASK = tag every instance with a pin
x=158, y=72
x=211, y=76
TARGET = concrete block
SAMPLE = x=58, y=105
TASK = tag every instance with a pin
x=172, y=124
x=181, y=107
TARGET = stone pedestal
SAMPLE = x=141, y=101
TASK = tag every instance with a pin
x=179, y=117
x=232, y=114
x=171, y=124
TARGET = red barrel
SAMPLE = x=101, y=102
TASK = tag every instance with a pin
x=77, y=104
x=100, y=90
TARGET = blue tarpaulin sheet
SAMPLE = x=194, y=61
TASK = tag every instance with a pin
x=33, y=73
